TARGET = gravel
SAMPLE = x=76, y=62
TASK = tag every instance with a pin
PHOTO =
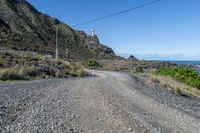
x=109, y=102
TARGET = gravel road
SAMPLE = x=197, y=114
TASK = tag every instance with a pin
x=109, y=102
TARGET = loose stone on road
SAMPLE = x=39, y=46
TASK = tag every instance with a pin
x=108, y=102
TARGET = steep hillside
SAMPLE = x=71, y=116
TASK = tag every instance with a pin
x=22, y=27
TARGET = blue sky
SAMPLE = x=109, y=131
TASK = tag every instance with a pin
x=168, y=30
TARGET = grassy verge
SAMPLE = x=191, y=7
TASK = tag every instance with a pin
x=17, y=73
x=175, y=86
x=181, y=74
x=50, y=69
x=181, y=80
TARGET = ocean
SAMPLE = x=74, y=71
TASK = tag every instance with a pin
x=196, y=63
x=186, y=62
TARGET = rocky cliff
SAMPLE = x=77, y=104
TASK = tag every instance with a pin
x=22, y=27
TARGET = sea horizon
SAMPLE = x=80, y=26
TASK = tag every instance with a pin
x=189, y=62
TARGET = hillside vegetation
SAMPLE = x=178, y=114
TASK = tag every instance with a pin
x=22, y=27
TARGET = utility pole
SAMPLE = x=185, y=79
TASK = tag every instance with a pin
x=56, y=43
x=67, y=53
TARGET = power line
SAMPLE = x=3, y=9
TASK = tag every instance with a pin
x=117, y=13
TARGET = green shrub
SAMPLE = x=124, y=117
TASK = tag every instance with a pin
x=182, y=74
x=38, y=57
x=93, y=63
x=28, y=56
x=139, y=70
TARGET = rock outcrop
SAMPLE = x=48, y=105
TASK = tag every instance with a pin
x=132, y=58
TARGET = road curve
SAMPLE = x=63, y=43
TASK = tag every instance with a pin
x=108, y=102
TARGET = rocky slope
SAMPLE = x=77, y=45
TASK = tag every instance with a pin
x=22, y=27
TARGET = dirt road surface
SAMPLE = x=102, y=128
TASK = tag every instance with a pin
x=109, y=102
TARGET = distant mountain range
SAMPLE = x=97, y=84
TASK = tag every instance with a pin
x=22, y=27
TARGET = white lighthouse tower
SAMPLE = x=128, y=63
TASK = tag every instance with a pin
x=93, y=32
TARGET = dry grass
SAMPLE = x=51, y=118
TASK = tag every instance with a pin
x=40, y=69
x=77, y=69
x=175, y=86
x=73, y=69
x=17, y=73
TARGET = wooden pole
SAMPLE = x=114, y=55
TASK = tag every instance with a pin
x=56, y=43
